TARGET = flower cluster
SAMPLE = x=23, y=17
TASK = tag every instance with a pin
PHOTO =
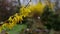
x=23, y=12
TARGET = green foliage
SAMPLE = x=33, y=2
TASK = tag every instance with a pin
x=17, y=29
x=50, y=20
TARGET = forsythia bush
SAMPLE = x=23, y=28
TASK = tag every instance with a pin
x=23, y=12
x=37, y=8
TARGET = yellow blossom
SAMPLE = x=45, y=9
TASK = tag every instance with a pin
x=23, y=12
x=1, y=28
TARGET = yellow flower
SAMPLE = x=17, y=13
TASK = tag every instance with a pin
x=16, y=17
x=4, y=26
x=10, y=19
x=20, y=18
x=1, y=29
x=24, y=12
x=37, y=8
x=11, y=25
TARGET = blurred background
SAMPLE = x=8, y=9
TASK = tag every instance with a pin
x=31, y=25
